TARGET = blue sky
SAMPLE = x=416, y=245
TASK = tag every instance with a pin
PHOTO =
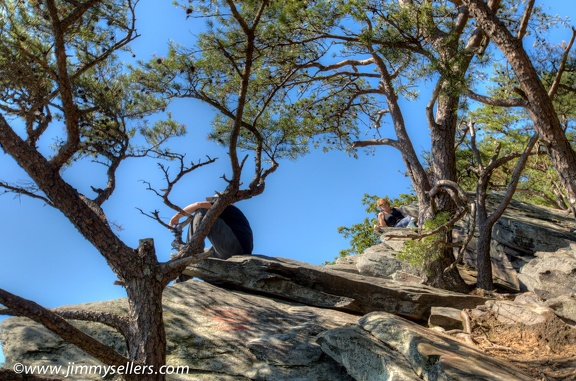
x=296, y=217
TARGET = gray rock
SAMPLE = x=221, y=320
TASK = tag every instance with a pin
x=364, y=357
x=322, y=287
x=407, y=277
x=564, y=306
x=218, y=334
x=551, y=274
x=381, y=261
x=445, y=317
x=346, y=264
x=509, y=312
x=395, y=237
x=431, y=355
x=522, y=231
x=29, y=343
x=526, y=228
x=552, y=277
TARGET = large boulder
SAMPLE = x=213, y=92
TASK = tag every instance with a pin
x=219, y=334
x=386, y=347
x=382, y=260
x=552, y=277
x=226, y=334
x=322, y=287
x=521, y=232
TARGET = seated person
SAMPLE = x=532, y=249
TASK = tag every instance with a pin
x=391, y=217
x=230, y=235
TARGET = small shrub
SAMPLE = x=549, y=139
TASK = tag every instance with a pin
x=420, y=253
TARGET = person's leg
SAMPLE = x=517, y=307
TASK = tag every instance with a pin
x=221, y=237
x=224, y=241
x=191, y=229
x=198, y=216
x=404, y=222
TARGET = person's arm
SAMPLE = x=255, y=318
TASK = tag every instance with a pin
x=188, y=210
x=381, y=222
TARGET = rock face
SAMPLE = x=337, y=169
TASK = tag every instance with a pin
x=327, y=288
x=386, y=347
x=552, y=277
x=223, y=335
x=219, y=334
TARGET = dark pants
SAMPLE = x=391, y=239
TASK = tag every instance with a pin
x=221, y=237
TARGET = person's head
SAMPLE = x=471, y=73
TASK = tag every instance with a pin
x=383, y=203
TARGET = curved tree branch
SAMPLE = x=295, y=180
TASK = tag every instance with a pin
x=513, y=102
x=62, y=328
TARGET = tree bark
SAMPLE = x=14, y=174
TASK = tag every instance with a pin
x=483, y=258
x=147, y=339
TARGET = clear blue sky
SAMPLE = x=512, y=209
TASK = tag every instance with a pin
x=45, y=259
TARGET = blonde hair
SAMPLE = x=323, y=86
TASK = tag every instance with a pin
x=383, y=201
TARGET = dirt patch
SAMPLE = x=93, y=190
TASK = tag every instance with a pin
x=546, y=350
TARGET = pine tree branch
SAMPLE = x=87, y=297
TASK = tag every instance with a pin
x=525, y=19
x=512, y=102
x=117, y=322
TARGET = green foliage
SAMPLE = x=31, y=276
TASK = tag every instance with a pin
x=284, y=108
x=419, y=254
x=362, y=235
x=96, y=97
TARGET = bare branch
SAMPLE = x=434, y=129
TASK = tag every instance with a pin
x=515, y=178
x=338, y=65
x=555, y=85
x=467, y=239
x=513, y=102
x=430, y=105
x=525, y=19
x=117, y=322
x=473, y=146
x=183, y=171
x=28, y=191
x=456, y=192
x=464, y=132
x=375, y=142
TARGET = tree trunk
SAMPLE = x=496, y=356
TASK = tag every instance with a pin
x=483, y=258
x=449, y=280
x=147, y=337
x=443, y=135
